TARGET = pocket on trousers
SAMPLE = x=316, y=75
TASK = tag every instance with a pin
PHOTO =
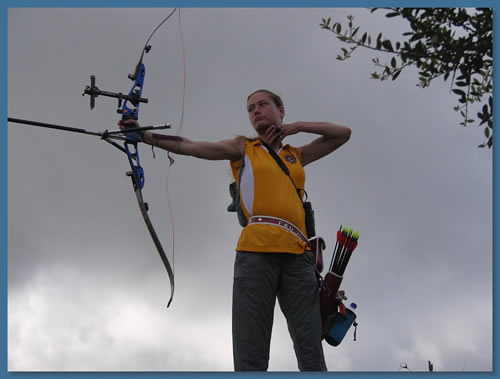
x=309, y=257
x=243, y=285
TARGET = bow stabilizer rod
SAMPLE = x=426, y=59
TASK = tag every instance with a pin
x=115, y=134
x=107, y=136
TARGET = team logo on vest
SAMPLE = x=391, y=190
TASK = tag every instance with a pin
x=291, y=159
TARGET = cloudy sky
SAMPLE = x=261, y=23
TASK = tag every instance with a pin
x=86, y=288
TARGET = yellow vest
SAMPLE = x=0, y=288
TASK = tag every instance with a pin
x=265, y=190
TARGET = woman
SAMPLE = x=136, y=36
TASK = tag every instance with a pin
x=272, y=256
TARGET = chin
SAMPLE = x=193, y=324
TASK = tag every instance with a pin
x=261, y=128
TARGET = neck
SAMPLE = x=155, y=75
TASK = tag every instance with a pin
x=275, y=146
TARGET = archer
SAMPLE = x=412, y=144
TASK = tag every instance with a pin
x=273, y=259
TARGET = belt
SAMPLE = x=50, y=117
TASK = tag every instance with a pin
x=278, y=222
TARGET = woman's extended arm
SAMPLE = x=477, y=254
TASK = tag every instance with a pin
x=230, y=149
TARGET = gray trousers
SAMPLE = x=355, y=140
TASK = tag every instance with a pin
x=258, y=279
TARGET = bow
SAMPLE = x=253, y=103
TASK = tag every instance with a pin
x=128, y=107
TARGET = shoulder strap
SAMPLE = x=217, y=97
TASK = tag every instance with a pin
x=277, y=159
x=283, y=167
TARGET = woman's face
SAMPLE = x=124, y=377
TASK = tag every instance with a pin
x=262, y=112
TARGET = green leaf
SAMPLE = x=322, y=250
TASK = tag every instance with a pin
x=393, y=62
x=339, y=28
x=387, y=45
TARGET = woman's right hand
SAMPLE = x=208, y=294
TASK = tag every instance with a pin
x=273, y=134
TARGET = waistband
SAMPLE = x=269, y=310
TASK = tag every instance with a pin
x=269, y=220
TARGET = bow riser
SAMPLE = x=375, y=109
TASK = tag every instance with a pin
x=134, y=96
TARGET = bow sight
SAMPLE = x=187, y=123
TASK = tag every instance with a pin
x=134, y=96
